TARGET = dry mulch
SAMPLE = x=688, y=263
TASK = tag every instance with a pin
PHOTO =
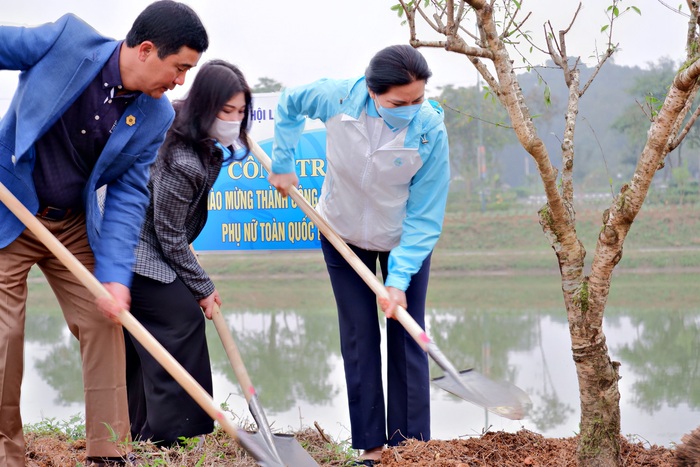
x=493, y=449
x=523, y=448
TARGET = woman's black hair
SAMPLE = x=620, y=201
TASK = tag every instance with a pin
x=396, y=65
x=216, y=82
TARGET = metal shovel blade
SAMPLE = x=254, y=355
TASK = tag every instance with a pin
x=258, y=450
x=501, y=398
x=285, y=448
x=289, y=449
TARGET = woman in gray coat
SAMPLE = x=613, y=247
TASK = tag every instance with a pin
x=171, y=293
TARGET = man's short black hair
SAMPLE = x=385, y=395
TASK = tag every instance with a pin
x=170, y=26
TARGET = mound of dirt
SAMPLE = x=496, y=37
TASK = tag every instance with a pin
x=523, y=448
x=493, y=449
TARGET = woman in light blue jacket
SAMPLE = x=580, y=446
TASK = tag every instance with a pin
x=384, y=193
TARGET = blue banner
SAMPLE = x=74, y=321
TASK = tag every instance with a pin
x=247, y=213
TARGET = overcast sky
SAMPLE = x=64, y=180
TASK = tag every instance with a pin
x=294, y=42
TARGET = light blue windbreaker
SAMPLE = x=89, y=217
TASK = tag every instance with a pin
x=391, y=199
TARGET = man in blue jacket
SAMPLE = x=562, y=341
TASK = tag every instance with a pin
x=87, y=118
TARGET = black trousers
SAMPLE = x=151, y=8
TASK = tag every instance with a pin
x=408, y=376
x=159, y=408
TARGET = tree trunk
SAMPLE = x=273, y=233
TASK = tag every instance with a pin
x=585, y=297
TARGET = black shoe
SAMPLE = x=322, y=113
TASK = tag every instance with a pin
x=365, y=462
x=96, y=461
x=104, y=461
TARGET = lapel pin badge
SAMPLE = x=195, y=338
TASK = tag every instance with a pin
x=130, y=120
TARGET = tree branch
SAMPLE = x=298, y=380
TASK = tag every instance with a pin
x=511, y=96
x=561, y=47
x=459, y=17
x=453, y=42
x=567, y=146
x=573, y=20
x=549, y=38
x=436, y=27
x=450, y=30
x=475, y=117
x=518, y=27
x=486, y=74
x=685, y=79
x=607, y=55
x=644, y=111
x=679, y=139
x=410, y=19
x=511, y=22
x=477, y=4
x=678, y=123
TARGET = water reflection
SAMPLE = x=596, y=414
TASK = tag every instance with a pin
x=666, y=350
x=550, y=411
x=286, y=355
x=292, y=356
x=60, y=368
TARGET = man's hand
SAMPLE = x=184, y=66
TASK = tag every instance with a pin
x=121, y=300
x=207, y=303
x=283, y=182
x=396, y=298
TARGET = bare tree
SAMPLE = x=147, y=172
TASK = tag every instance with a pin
x=498, y=22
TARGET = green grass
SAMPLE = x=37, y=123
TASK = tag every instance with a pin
x=659, y=238
x=61, y=443
x=475, y=248
x=654, y=227
x=73, y=428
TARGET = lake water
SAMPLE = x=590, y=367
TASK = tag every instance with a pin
x=511, y=327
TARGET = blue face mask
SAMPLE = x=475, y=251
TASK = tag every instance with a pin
x=398, y=118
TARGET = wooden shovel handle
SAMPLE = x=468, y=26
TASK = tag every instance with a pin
x=234, y=355
x=136, y=329
x=401, y=315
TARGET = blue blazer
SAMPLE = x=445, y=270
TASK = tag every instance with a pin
x=57, y=62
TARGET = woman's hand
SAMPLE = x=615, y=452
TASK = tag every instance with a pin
x=207, y=303
x=283, y=182
x=396, y=298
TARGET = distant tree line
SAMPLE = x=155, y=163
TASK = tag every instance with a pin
x=613, y=124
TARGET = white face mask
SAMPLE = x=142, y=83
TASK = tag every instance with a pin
x=225, y=131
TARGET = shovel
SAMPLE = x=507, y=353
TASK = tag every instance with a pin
x=501, y=398
x=253, y=446
x=285, y=448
